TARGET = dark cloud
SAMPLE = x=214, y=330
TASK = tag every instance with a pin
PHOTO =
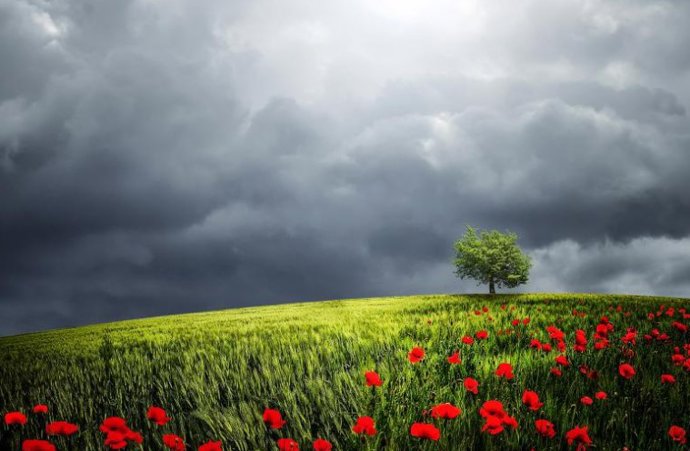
x=161, y=157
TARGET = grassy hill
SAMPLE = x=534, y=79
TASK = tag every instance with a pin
x=215, y=372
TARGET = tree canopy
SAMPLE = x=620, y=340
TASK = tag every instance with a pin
x=491, y=257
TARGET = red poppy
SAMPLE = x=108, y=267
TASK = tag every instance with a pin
x=118, y=433
x=445, y=410
x=555, y=333
x=482, y=335
x=467, y=340
x=668, y=379
x=510, y=421
x=677, y=433
x=626, y=370
x=562, y=360
x=174, y=442
x=322, y=445
x=425, y=430
x=493, y=425
x=157, y=415
x=505, y=370
x=115, y=440
x=37, y=445
x=586, y=400
x=211, y=446
x=531, y=400
x=364, y=425
x=61, y=428
x=15, y=418
x=455, y=359
x=287, y=444
x=578, y=434
x=492, y=408
x=556, y=372
x=545, y=428
x=471, y=385
x=373, y=379
x=416, y=355
x=40, y=408
x=114, y=424
x=601, y=395
x=273, y=419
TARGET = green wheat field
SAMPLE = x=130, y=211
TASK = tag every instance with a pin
x=215, y=373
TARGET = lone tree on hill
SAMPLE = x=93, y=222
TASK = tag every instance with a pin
x=491, y=257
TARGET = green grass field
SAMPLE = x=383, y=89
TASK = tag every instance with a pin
x=215, y=373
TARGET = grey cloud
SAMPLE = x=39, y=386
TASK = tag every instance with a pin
x=159, y=158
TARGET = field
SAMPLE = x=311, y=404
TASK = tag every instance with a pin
x=214, y=373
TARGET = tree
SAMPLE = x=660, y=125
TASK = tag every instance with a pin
x=491, y=257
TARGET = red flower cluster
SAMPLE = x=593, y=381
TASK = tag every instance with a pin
x=118, y=434
x=364, y=426
x=496, y=417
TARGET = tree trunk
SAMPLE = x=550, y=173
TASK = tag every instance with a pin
x=492, y=289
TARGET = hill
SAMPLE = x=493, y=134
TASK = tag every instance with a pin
x=215, y=373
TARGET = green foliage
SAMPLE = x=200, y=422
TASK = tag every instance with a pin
x=215, y=372
x=491, y=257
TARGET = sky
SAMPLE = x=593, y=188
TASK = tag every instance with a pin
x=165, y=156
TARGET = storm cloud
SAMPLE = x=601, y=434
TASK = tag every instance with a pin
x=160, y=157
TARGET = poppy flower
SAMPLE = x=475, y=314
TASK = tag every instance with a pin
x=505, y=370
x=562, y=360
x=455, y=359
x=493, y=425
x=510, y=421
x=115, y=440
x=157, y=415
x=40, y=408
x=15, y=418
x=545, y=428
x=273, y=419
x=37, y=445
x=373, y=379
x=364, y=425
x=114, y=424
x=467, y=340
x=471, y=385
x=425, y=430
x=61, y=428
x=492, y=408
x=211, y=446
x=586, y=400
x=668, y=379
x=482, y=335
x=556, y=372
x=416, y=355
x=626, y=370
x=287, y=444
x=322, y=445
x=531, y=400
x=174, y=442
x=546, y=347
x=118, y=433
x=578, y=434
x=677, y=433
x=601, y=395
x=446, y=410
